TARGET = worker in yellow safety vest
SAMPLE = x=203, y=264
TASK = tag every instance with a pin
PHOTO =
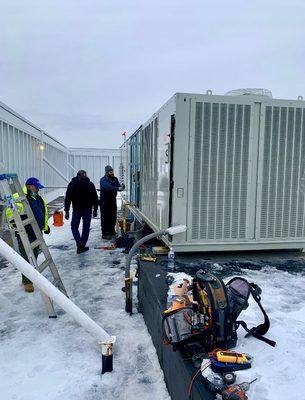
x=40, y=211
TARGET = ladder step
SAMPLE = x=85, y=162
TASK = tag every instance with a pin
x=44, y=265
x=35, y=244
x=27, y=221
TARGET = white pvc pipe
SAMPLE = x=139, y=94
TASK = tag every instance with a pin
x=51, y=291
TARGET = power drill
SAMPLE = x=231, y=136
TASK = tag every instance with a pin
x=237, y=392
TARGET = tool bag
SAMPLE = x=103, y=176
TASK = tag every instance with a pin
x=212, y=304
x=177, y=326
x=239, y=291
x=212, y=319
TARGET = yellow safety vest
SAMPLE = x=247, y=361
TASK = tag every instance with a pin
x=9, y=212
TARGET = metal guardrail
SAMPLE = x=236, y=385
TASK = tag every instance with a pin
x=27, y=150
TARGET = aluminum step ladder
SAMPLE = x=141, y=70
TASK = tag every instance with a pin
x=9, y=185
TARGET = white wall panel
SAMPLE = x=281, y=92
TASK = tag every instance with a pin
x=55, y=164
x=94, y=162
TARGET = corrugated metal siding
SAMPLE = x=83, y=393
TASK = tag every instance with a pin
x=149, y=169
x=221, y=159
x=20, y=153
x=134, y=166
x=282, y=196
x=94, y=162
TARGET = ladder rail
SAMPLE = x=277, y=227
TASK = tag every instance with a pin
x=18, y=225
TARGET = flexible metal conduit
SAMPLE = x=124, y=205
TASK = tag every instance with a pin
x=128, y=279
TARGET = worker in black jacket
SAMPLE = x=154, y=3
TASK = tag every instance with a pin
x=82, y=193
x=109, y=186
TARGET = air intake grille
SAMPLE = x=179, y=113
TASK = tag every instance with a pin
x=149, y=179
x=282, y=195
x=221, y=158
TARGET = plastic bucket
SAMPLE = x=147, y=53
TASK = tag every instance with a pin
x=58, y=218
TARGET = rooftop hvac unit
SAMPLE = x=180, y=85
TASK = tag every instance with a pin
x=230, y=168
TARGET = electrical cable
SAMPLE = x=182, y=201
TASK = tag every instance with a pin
x=201, y=369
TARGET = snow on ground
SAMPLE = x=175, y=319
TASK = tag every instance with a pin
x=43, y=359
x=47, y=359
x=280, y=370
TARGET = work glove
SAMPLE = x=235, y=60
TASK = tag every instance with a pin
x=94, y=213
x=67, y=215
x=47, y=231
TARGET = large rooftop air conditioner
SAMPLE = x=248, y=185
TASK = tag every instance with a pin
x=230, y=168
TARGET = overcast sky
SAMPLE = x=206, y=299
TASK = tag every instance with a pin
x=87, y=70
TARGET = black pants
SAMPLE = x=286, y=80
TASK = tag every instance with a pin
x=23, y=254
x=77, y=216
x=108, y=218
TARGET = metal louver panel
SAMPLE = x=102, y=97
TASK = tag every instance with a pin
x=282, y=197
x=220, y=171
x=149, y=178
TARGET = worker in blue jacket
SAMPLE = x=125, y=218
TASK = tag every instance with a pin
x=109, y=186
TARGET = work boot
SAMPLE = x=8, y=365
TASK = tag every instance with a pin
x=81, y=249
x=107, y=237
x=28, y=287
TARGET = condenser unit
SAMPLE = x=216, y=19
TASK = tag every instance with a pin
x=230, y=168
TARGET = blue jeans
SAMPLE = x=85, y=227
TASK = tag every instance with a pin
x=77, y=215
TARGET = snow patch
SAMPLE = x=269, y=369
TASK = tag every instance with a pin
x=51, y=359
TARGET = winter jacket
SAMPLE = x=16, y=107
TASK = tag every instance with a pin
x=38, y=207
x=109, y=189
x=82, y=194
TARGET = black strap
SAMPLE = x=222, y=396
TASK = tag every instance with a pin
x=263, y=328
x=251, y=332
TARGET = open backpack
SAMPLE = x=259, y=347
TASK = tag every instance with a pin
x=211, y=319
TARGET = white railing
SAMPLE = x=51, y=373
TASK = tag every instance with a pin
x=27, y=150
x=94, y=161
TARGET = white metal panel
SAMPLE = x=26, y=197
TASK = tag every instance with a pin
x=150, y=169
x=155, y=171
x=21, y=152
x=281, y=196
x=131, y=162
x=219, y=169
x=94, y=161
x=55, y=164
